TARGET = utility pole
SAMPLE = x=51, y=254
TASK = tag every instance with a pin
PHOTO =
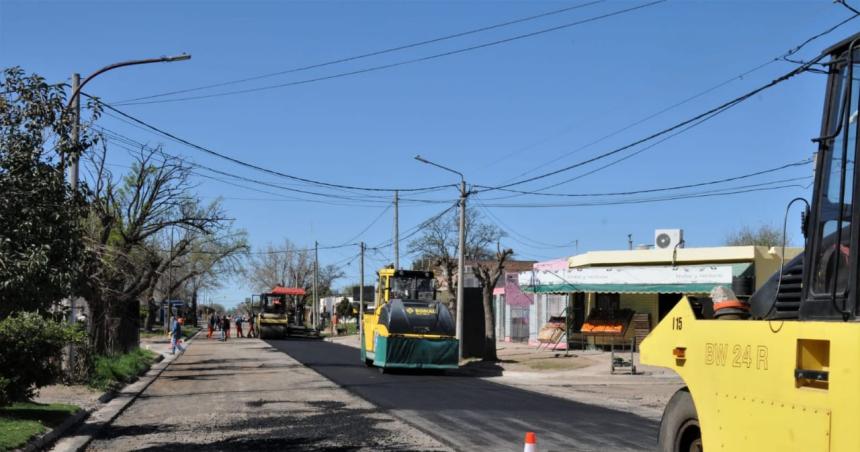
x=461, y=265
x=361, y=297
x=396, y=233
x=316, y=312
x=169, y=306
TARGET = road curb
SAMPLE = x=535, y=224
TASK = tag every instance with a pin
x=115, y=407
x=58, y=431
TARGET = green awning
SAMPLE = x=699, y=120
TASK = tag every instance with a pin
x=622, y=288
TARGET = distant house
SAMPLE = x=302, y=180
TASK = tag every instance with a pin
x=471, y=281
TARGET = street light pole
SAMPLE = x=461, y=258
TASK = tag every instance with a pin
x=316, y=301
x=461, y=266
x=361, y=298
x=396, y=232
x=75, y=102
x=461, y=252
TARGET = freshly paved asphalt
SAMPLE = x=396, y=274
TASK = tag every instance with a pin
x=469, y=413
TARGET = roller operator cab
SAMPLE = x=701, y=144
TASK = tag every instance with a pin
x=788, y=377
x=408, y=328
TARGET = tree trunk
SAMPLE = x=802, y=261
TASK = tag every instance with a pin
x=128, y=331
x=99, y=313
x=489, y=325
x=194, y=307
x=151, y=308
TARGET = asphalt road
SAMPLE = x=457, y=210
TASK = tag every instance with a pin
x=469, y=413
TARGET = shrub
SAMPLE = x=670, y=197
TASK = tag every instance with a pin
x=31, y=355
x=110, y=370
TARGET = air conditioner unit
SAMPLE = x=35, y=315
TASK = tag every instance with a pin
x=668, y=239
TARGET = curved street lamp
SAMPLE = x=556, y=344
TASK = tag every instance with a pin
x=75, y=99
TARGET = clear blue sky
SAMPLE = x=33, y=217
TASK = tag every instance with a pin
x=493, y=113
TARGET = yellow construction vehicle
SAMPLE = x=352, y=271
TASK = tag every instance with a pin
x=408, y=327
x=781, y=372
x=279, y=315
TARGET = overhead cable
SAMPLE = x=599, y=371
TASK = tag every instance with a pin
x=804, y=66
x=700, y=117
x=675, y=187
x=403, y=62
x=364, y=55
x=257, y=167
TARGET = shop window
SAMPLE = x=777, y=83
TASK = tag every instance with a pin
x=555, y=305
x=608, y=302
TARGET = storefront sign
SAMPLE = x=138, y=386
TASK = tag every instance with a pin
x=685, y=274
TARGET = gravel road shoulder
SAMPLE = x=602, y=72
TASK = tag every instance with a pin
x=243, y=394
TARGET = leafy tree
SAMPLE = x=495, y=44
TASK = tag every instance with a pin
x=344, y=309
x=439, y=243
x=488, y=274
x=765, y=235
x=42, y=253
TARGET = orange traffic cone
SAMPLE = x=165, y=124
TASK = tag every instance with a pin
x=531, y=442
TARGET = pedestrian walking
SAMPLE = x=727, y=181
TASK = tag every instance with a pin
x=225, y=328
x=239, y=321
x=211, y=326
x=251, y=331
x=176, y=336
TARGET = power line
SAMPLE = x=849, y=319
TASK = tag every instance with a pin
x=386, y=198
x=254, y=166
x=715, y=193
x=701, y=118
x=675, y=187
x=372, y=223
x=695, y=120
x=131, y=142
x=364, y=55
x=371, y=200
x=523, y=238
x=404, y=62
x=415, y=229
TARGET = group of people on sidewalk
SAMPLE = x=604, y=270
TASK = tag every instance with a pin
x=223, y=324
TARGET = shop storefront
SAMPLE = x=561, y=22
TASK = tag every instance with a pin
x=617, y=297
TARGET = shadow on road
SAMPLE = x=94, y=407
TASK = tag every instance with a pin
x=473, y=412
x=269, y=427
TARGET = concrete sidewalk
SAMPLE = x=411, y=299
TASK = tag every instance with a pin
x=243, y=394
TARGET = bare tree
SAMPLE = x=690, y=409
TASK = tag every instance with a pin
x=439, y=243
x=210, y=258
x=288, y=265
x=488, y=275
x=128, y=223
